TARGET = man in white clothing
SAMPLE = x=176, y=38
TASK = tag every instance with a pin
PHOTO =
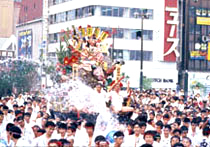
x=204, y=140
x=2, y=125
x=135, y=139
x=45, y=138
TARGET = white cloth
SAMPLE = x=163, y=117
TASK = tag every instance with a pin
x=82, y=139
x=41, y=141
x=20, y=101
x=203, y=141
x=132, y=141
x=165, y=142
x=27, y=134
x=2, y=129
x=21, y=143
x=117, y=100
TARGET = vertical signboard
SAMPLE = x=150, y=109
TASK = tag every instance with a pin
x=25, y=40
x=170, y=27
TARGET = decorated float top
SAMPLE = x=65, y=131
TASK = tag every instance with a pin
x=84, y=54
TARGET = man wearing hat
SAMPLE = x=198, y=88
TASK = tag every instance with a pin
x=118, y=139
x=15, y=133
x=117, y=99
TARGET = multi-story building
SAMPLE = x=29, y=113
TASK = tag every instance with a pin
x=29, y=28
x=159, y=40
x=195, y=63
x=7, y=10
x=8, y=19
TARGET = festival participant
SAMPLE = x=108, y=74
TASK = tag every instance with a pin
x=20, y=100
x=27, y=117
x=184, y=131
x=135, y=139
x=159, y=126
x=81, y=133
x=117, y=100
x=38, y=119
x=15, y=133
x=71, y=130
x=65, y=143
x=45, y=138
x=35, y=129
x=118, y=139
x=27, y=132
x=89, y=126
x=62, y=129
x=100, y=141
x=149, y=138
x=193, y=132
x=2, y=125
x=186, y=141
x=7, y=116
x=165, y=138
x=54, y=143
x=7, y=136
x=204, y=141
x=174, y=140
x=11, y=102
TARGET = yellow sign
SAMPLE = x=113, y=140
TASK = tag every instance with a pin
x=208, y=56
x=194, y=53
x=203, y=20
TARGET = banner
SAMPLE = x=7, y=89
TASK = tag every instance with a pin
x=25, y=43
x=171, y=40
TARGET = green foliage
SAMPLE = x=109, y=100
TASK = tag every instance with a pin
x=147, y=83
x=18, y=74
x=198, y=84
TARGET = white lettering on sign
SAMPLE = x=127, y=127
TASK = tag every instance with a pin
x=159, y=80
x=173, y=23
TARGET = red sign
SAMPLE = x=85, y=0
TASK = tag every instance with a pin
x=170, y=37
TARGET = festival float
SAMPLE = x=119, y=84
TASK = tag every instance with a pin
x=84, y=56
x=84, y=62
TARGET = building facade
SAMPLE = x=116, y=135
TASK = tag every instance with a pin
x=7, y=12
x=29, y=39
x=29, y=28
x=159, y=46
x=29, y=10
x=195, y=60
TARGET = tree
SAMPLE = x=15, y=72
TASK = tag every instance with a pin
x=21, y=75
x=147, y=83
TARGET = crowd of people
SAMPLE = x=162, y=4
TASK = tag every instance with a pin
x=158, y=118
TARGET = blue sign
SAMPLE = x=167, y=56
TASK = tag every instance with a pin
x=25, y=40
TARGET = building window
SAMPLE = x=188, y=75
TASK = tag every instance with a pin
x=134, y=55
x=119, y=33
x=134, y=11
x=136, y=34
x=137, y=11
x=34, y=5
x=78, y=13
x=51, y=19
x=25, y=8
x=148, y=35
x=112, y=11
x=63, y=17
x=71, y=15
x=53, y=38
